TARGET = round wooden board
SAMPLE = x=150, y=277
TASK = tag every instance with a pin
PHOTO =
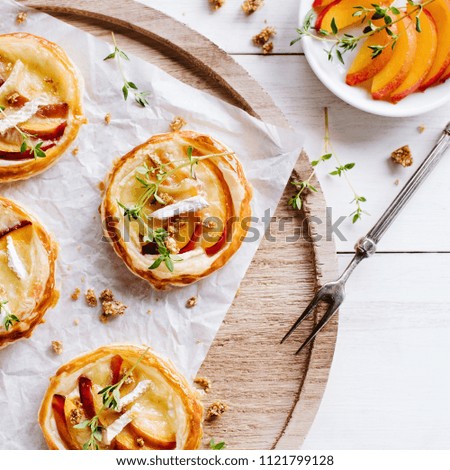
x=272, y=395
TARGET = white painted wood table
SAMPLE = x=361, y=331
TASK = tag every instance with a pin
x=389, y=386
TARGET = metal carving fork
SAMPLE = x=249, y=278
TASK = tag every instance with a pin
x=333, y=293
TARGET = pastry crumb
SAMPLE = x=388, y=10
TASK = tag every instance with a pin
x=130, y=379
x=177, y=124
x=76, y=294
x=204, y=383
x=140, y=442
x=111, y=309
x=192, y=302
x=149, y=311
x=57, y=347
x=75, y=151
x=75, y=416
x=250, y=6
x=402, y=156
x=107, y=118
x=267, y=48
x=216, y=4
x=106, y=296
x=101, y=186
x=397, y=182
x=216, y=409
x=167, y=198
x=21, y=17
x=76, y=322
x=264, y=36
x=421, y=129
x=91, y=298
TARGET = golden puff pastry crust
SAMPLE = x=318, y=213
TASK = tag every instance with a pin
x=192, y=223
x=155, y=407
x=27, y=273
x=41, y=98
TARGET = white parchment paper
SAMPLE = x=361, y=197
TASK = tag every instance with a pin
x=66, y=199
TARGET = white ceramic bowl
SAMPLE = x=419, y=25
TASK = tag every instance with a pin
x=332, y=75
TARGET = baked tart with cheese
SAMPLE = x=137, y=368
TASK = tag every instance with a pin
x=40, y=105
x=177, y=208
x=120, y=397
x=27, y=273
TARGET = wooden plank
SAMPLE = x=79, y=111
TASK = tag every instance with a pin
x=367, y=140
x=386, y=388
x=273, y=396
x=230, y=28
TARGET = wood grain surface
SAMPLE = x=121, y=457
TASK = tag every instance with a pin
x=272, y=395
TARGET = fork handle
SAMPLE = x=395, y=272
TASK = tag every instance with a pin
x=367, y=245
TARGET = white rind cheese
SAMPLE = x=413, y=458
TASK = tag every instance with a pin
x=115, y=428
x=138, y=391
x=26, y=112
x=4, y=312
x=191, y=204
x=14, y=262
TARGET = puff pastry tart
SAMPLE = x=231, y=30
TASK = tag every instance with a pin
x=27, y=273
x=176, y=208
x=40, y=105
x=120, y=397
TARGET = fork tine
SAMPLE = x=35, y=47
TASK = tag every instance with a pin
x=323, y=321
x=306, y=312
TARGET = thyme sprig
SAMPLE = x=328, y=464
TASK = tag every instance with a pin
x=141, y=97
x=217, y=445
x=9, y=319
x=27, y=142
x=159, y=237
x=342, y=43
x=111, y=400
x=296, y=201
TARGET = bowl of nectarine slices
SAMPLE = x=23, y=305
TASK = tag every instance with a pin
x=383, y=58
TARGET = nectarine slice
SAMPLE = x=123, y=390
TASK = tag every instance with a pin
x=440, y=11
x=342, y=12
x=423, y=61
x=364, y=66
x=320, y=4
x=397, y=69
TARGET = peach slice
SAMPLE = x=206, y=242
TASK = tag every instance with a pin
x=423, y=61
x=342, y=12
x=440, y=11
x=395, y=72
x=364, y=66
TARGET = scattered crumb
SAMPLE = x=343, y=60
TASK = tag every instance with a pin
x=21, y=17
x=76, y=294
x=215, y=410
x=264, y=36
x=216, y=4
x=267, y=48
x=101, y=186
x=140, y=442
x=75, y=151
x=76, y=322
x=192, y=302
x=177, y=123
x=75, y=416
x=402, y=156
x=107, y=118
x=106, y=296
x=204, y=383
x=130, y=379
x=57, y=347
x=91, y=298
x=171, y=245
x=397, y=182
x=167, y=198
x=111, y=309
x=421, y=129
x=250, y=6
